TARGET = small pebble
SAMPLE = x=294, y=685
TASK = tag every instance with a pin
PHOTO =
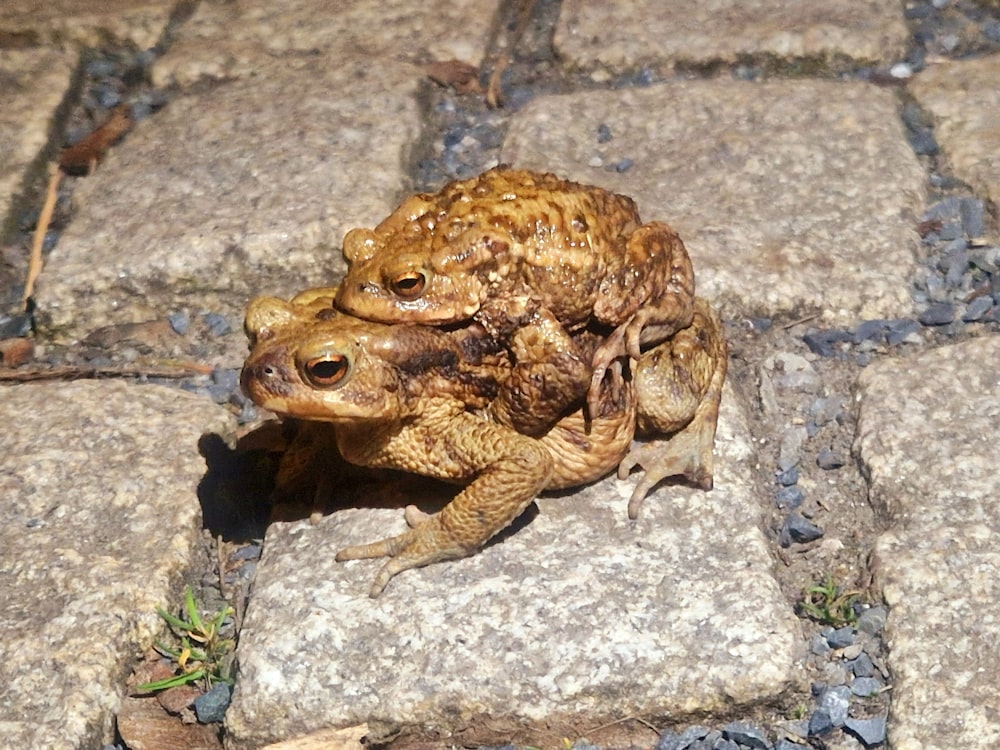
x=603, y=133
x=746, y=735
x=798, y=530
x=851, y=652
x=841, y=637
x=835, y=701
x=865, y=686
x=870, y=731
x=938, y=314
x=863, y=666
x=901, y=70
x=829, y=460
x=899, y=330
x=179, y=322
x=789, y=498
x=820, y=723
x=870, y=329
x=791, y=447
x=788, y=477
x=923, y=142
x=872, y=620
x=977, y=309
x=246, y=552
x=725, y=744
x=622, y=165
x=211, y=706
x=823, y=342
x=217, y=324
x=784, y=744
x=971, y=212
x=818, y=646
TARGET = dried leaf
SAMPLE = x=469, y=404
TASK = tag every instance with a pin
x=82, y=156
x=15, y=352
x=460, y=76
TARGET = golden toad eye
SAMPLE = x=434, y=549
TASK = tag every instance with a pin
x=409, y=284
x=326, y=371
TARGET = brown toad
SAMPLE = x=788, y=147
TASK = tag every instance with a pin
x=424, y=400
x=528, y=255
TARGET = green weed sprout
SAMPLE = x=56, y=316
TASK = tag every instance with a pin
x=828, y=605
x=201, y=654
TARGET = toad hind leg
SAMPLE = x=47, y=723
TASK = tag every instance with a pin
x=679, y=386
x=508, y=471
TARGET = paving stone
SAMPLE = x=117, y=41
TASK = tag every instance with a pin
x=32, y=84
x=927, y=437
x=593, y=33
x=99, y=523
x=244, y=189
x=85, y=23
x=580, y=613
x=964, y=99
x=791, y=196
x=226, y=40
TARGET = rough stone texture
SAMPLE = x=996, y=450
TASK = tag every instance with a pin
x=792, y=196
x=85, y=23
x=244, y=189
x=649, y=32
x=964, y=99
x=578, y=614
x=927, y=437
x=227, y=40
x=99, y=521
x=249, y=187
x=32, y=84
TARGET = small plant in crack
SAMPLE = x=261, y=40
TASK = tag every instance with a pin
x=828, y=605
x=200, y=653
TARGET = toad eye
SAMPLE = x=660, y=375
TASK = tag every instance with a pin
x=409, y=284
x=326, y=371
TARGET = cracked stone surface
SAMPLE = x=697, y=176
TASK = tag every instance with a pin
x=224, y=40
x=795, y=184
x=592, y=33
x=88, y=23
x=288, y=124
x=965, y=101
x=32, y=84
x=927, y=437
x=581, y=612
x=262, y=209
x=98, y=528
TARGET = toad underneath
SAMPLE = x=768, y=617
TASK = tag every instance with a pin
x=533, y=258
x=426, y=400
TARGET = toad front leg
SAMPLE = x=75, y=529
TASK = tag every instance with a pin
x=507, y=471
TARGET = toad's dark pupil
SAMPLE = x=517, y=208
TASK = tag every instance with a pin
x=328, y=371
x=409, y=284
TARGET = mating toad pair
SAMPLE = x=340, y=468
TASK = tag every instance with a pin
x=511, y=333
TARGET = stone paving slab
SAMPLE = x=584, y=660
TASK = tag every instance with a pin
x=243, y=189
x=927, y=439
x=33, y=83
x=964, y=98
x=592, y=33
x=84, y=23
x=793, y=197
x=98, y=525
x=579, y=616
x=229, y=40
